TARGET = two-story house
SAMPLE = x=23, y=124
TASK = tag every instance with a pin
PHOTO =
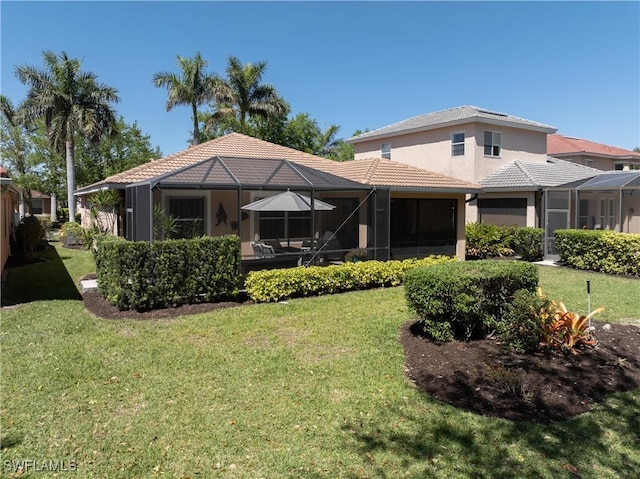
x=468, y=143
x=592, y=154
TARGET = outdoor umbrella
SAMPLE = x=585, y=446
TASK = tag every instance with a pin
x=287, y=201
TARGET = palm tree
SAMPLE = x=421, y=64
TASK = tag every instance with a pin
x=242, y=95
x=194, y=87
x=71, y=102
x=328, y=141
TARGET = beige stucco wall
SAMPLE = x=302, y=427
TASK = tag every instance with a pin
x=605, y=164
x=631, y=213
x=431, y=150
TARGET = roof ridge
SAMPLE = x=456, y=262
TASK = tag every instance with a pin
x=524, y=170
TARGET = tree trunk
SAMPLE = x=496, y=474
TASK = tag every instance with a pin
x=54, y=208
x=196, y=129
x=71, y=180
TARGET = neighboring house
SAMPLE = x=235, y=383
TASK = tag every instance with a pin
x=395, y=210
x=589, y=153
x=9, y=199
x=523, y=185
x=466, y=142
x=40, y=204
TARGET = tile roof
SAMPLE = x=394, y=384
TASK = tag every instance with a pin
x=439, y=119
x=374, y=172
x=382, y=172
x=566, y=145
x=233, y=144
x=529, y=175
x=253, y=173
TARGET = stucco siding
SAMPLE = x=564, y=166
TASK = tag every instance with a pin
x=431, y=150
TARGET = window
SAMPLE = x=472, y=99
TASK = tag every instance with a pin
x=281, y=224
x=189, y=215
x=492, y=143
x=634, y=166
x=618, y=167
x=385, y=150
x=37, y=206
x=457, y=143
x=588, y=163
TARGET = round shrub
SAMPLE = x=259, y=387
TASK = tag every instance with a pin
x=466, y=300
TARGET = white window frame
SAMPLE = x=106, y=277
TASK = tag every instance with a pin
x=495, y=135
x=190, y=194
x=385, y=150
x=455, y=144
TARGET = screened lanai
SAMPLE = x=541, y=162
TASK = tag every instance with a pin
x=209, y=196
x=608, y=201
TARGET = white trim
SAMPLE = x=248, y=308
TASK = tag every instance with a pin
x=463, y=143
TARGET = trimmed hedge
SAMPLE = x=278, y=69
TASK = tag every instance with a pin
x=278, y=284
x=466, y=300
x=603, y=251
x=143, y=276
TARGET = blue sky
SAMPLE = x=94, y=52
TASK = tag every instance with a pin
x=572, y=65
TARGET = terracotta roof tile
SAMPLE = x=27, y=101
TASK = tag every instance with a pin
x=565, y=145
x=374, y=171
x=382, y=172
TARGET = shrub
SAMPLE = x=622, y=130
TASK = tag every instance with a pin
x=45, y=222
x=71, y=232
x=520, y=328
x=355, y=255
x=279, y=284
x=465, y=300
x=29, y=235
x=142, y=276
x=529, y=243
x=489, y=241
x=603, y=251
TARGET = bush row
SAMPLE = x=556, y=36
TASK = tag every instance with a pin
x=604, y=251
x=491, y=241
x=466, y=300
x=279, y=284
x=142, y=276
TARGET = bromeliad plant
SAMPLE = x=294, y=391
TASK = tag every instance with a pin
x=564, y=329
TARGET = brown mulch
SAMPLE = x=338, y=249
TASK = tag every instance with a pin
x=102, y=308
x=544, y=387
x=478, y=376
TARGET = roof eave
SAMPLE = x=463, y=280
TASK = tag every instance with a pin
x=87, y=190
x=476, y=119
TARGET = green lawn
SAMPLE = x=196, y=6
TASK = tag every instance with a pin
x=312, y=388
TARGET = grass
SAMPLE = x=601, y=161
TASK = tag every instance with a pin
x=312, y=388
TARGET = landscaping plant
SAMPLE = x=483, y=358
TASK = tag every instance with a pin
x=564, y=329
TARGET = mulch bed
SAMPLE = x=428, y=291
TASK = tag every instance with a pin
x=478, y=376
x=102, y=308
x=544, y=387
